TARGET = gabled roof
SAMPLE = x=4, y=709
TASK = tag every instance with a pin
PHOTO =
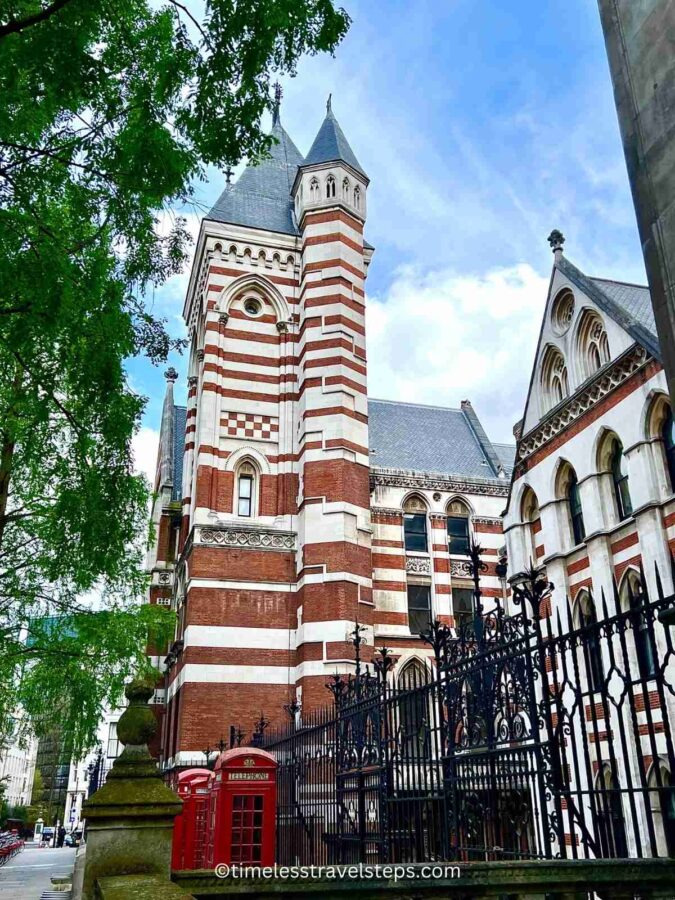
x=420, y=438
x=261, y=196
x=628, y=304
x=330, y=145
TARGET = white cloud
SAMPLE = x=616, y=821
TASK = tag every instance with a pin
x=144, y=448
x=440, y=337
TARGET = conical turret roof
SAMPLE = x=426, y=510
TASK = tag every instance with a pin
x=331, y=145
x=261, y=197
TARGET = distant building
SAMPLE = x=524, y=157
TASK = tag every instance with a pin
x=296, y=506
x=17, y=767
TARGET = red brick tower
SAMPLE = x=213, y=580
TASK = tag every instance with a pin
x=274, y=559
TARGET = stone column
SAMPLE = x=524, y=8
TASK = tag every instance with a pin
x=130, y=819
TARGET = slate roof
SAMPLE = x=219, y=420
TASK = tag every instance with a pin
x=628, y=304
x=261, y=196
x=421, y=438
x=507, y=455
x=330, y=145
x=180, y=415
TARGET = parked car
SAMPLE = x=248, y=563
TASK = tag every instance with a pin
x=73, y=839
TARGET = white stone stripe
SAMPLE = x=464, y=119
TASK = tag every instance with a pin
x=266, y=638
x=205, y=673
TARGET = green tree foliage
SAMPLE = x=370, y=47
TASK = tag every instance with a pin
x=110, y=111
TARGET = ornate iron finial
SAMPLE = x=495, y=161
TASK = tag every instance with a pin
x=207, y=751
x=556, y=239
x=171, y=375
x=222, y=745
x=278, y=94
x=438, y=636
x=329, y=108
x=229, y=172
x=383, y=664
x=293, y=708
x=357, y=641
x=534, y=587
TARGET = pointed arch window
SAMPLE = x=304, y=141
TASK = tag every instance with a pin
x=619, y=470
x=345, y=189
x=611, y=817
x=330, y=187
x=246, y=479
x=669, y=446
x=357, y=197
x=530, y=514
x=458, y=528
x=413, y=718
x=314, y=190
x=576, y=512
x=592, y=344
x=415, y=525
x=662, y=791
x=632, y=598
x=587, y=621
x=554, y=378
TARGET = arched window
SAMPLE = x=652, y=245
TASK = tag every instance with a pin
x=568, y=490
x=330, y=186
x=415, y=524
x=554, y=379
x=357, y=197
x=586, y=620
x=413, y=718
x=245, y=487
x=314, y=190
x=529, y=510
x=611, y=821
x=458, y=528
x=592, y=344
x=660, y=427
x=632, y=597
x=345, y=188
x=619, y=471
x=662, y=797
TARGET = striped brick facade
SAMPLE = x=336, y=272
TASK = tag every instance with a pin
x=267, y=599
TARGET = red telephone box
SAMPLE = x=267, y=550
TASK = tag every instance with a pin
x=243, y=808
x=189, y=829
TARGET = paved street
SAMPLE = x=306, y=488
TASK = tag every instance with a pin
x=27, y=875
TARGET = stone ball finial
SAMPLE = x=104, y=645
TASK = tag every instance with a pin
x=137, y=724
x=556, y=239
x=171, y=375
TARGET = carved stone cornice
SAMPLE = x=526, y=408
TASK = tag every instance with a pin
x=438, y=482
x=486, y=520
x=246, y=538
x=585, y=399
x=418, y=565
x=386, y=513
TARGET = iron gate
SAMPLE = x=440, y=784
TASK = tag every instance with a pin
x=525, y=736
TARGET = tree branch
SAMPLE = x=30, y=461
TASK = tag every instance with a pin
x=16, y=25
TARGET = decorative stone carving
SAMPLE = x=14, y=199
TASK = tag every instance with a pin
x=165, y=578
x=223, y=319
x=282, y=327
x=248, y=538
x=437, y=482
x=200, y=355
x=192, y=381
x=485, y=520
x=581, y=402
x=418, y=565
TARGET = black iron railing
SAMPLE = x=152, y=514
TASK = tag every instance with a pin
x=544, y=734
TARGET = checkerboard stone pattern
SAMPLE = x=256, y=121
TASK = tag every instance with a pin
x=249, y=425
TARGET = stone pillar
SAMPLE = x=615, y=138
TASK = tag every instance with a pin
x=130, y=819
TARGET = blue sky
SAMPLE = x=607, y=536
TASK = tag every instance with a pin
x=482, y=125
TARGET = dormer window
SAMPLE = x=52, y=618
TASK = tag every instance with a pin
x=330, y=187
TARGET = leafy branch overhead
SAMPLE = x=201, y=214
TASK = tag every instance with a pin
x=111, y=111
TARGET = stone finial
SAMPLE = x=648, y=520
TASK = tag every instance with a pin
x=556, y=239
x=130, y=818
x=171, y=375
x=329, y=104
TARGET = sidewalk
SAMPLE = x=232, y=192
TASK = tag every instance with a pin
x=27, y=875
